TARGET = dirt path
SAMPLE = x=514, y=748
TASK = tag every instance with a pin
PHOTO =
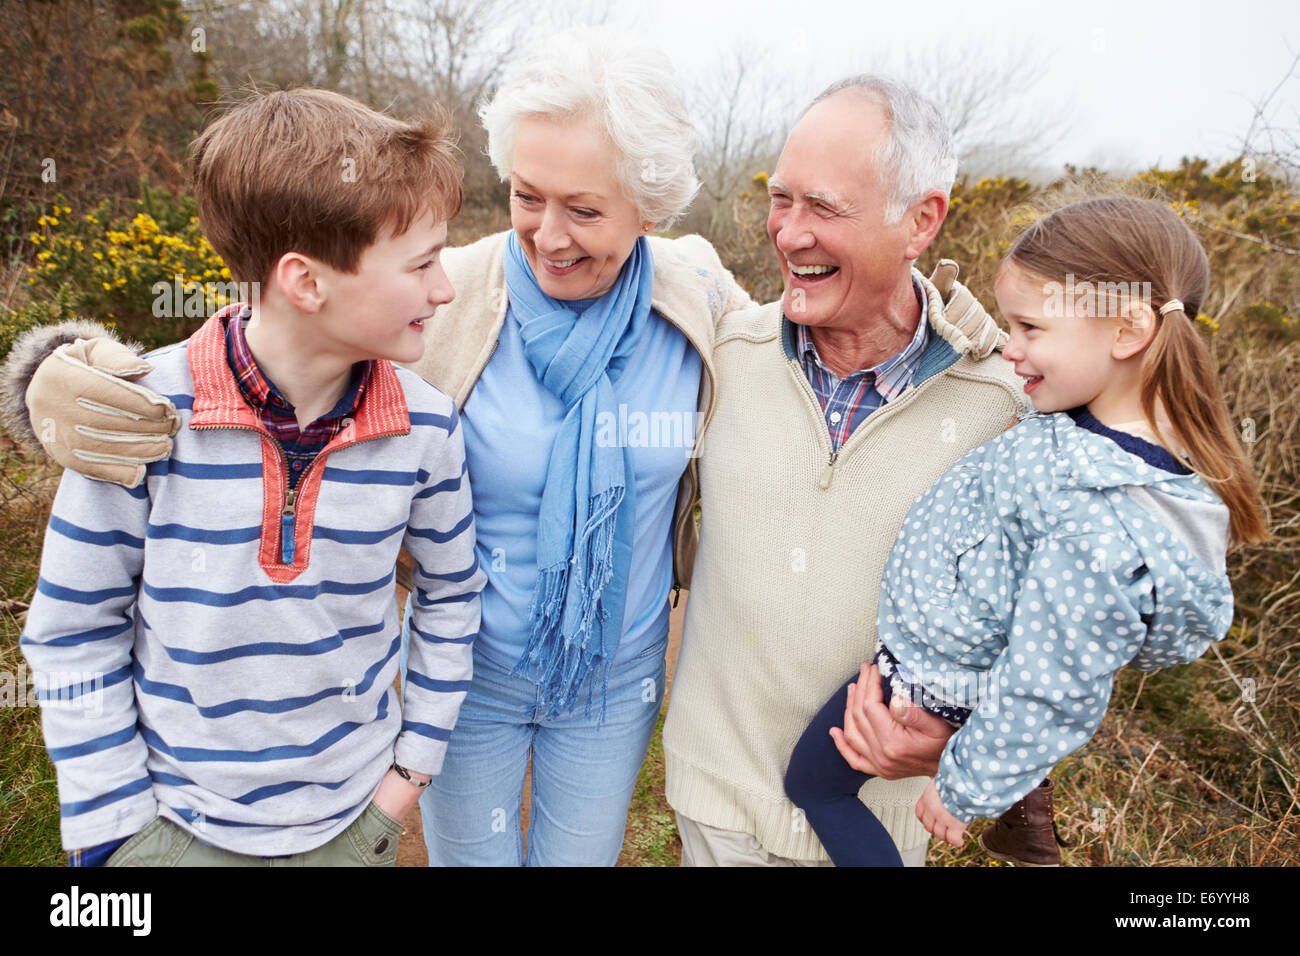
x=410, y=846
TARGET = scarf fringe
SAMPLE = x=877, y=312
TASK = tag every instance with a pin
x=560, y=661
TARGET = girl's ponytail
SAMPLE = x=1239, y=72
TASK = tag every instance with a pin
x=1177, y=371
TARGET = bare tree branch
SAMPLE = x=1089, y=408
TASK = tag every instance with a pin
x=982, y=97
x=1277, y=146
x=741, y=115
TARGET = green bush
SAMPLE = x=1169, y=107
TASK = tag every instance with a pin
x=1269, y=321
x=123, y=266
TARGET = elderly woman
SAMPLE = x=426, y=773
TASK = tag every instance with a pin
x=565, y=331
x=578, y=350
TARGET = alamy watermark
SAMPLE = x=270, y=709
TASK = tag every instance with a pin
x=657, y=429
x=129, y=910
x=970, y=690
x=1095, y=299
x=71, y=690
x=191, y=299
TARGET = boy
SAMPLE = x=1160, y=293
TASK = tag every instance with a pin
x=217, y=648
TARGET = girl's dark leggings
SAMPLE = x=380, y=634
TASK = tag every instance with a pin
x=825, y=787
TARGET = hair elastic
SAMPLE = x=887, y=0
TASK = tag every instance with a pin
x=1173, y=305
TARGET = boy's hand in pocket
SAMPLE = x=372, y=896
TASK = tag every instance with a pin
x=396, y=796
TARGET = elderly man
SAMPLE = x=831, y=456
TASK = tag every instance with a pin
x=837, y=407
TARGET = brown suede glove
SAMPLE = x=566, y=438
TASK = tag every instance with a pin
x=89, y=416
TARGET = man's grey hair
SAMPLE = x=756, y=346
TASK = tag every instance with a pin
x=919, y=154
x=631, y=92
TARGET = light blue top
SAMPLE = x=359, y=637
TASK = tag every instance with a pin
x=1037, y=566
x=510, y=422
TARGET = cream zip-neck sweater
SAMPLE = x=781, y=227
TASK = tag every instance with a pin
x=793, y=543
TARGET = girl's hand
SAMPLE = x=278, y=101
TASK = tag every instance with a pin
x=940, y=823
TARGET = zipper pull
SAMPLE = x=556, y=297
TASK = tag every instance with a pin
x=677, y=594
x=286, y=527
x=828, y=472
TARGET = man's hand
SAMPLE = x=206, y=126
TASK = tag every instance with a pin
x=396, y=797
x=89, y=416
x=935, y=818
x=894, y=742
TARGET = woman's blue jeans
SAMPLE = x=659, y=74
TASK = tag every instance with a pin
x=582, y=775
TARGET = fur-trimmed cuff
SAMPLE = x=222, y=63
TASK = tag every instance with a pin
x=31, y=349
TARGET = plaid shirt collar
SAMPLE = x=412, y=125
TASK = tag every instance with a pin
x=892, y=376
x=262, y=395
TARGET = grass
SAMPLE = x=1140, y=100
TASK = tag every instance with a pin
x=29, y=803
x=651, y=837
x=1162, y=784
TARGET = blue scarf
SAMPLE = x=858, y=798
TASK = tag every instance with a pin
x=584, y=531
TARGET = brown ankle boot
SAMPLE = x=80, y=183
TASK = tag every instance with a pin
x=1026, y=834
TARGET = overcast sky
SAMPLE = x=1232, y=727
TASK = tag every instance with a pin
x=1130, y=82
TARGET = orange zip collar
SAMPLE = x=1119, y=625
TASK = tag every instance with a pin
x=218, y=403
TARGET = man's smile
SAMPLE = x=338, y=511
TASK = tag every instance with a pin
x=811, y=273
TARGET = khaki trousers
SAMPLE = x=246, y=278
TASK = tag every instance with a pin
x=370, y=840
x=703, y=845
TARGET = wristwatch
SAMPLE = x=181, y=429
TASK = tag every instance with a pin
x=406, y=775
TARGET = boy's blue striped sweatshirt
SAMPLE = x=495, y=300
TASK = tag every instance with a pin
x=220, y=650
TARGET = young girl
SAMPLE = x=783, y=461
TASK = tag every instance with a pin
x=1090, y=536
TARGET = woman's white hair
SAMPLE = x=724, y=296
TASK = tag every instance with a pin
x=919, y=155
x=630, y=91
